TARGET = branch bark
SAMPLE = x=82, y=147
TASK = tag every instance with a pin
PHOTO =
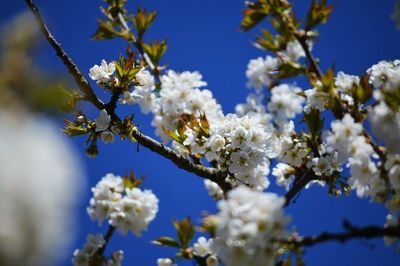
x=73, y=69
x=367, y=232
x=298, y=186
x=205, y=172
x=107, y=236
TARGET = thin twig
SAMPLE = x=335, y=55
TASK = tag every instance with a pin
x=107, y=236
x=73, y=69
x=212, y=174
x=205, y=172
x=310, y=57
x=367, y=232
x=298, y=186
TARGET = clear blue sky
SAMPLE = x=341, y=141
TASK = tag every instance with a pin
x=203, y=35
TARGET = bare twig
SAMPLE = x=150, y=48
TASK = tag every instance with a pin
x=212, y=174
x=107, y=236
x=73, y=69
x=298, y=186
x=367, y=232
x=313, y=63
x=208, y=173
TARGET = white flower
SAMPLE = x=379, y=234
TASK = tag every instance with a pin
x=106, y=194
x=320, y=165
x=345, y=82
x=107, y=137
x=185, y=80
x=144, y=78
x=93, y=243
x=284, y=102
x=297, y=154
x=180, y=94
x=240, y=162
x=103, y=121
x=260, y=72
x=116, y=258
x=148, y=103
x=386, y=125
x=41, y=184
x=164, y=262
x=134, y=211
x=212, y=261
x=392, y=165
x=342, y=136
x=385, y=74
x=102, y=73
x=315, y=99
x=246, y=223
x=213, y=189
x=203, y=247
x=130, y=98
x=294, y=50
x=284, y=174
x=80, y=258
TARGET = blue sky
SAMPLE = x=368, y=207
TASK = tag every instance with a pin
x=204, y=36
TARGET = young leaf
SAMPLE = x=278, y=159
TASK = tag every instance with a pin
x=142, y=20
x=155, y=50
x=317, y=14
x=185, y=231
x=166, y=241
x=254, y=14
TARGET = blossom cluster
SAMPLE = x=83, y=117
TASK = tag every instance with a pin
x=247, y=223
x=242, y=146
x=239, y=145
x=84, y=256
x=346, y=138
x=179, y=94
x=124, y=208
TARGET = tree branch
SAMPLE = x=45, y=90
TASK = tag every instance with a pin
x=298, y=186
x=367, y=232
x=313, y=63
x=107, y=236
x=73, y=69
x=212, y=174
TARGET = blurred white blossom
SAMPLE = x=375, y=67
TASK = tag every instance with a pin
x=41, y=181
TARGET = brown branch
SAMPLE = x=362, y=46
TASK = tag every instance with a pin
x=311, y=60
x=72, y=68
x=107, y=236
x=367, y=232
x=212, y=174
x=298, y=186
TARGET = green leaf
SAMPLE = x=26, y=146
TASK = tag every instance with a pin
x=290, y=69
x=363, y=92
x=254, y=14
x=185, y=231
x=166, y=241
x=142, y=20
x=105, y=31
x=155, y=50
x=317, y=14
x=314, y=122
